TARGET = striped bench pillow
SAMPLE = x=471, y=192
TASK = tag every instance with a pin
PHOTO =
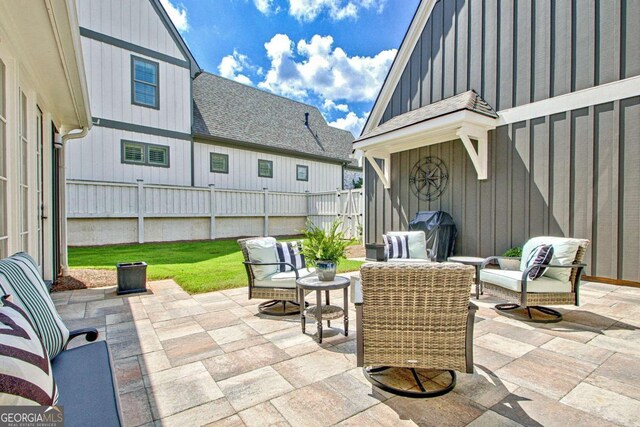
x=25, y=371
x=397, y=246
x=290, y=252
x=20, y=278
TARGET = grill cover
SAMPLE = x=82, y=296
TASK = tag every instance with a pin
x=440, y=230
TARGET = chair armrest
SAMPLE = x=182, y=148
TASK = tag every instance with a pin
x=471, y=321
x=91, y=334
x=525, y=273
x=496, y=258
x=274, y=263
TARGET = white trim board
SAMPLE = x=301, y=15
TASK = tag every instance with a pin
x=602, y=94
x=399, y=63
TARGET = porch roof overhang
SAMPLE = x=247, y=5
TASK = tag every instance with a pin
x=465, y=117
x=47, y=36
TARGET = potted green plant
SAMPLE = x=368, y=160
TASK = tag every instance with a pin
x=324, y=249
x=511, y=264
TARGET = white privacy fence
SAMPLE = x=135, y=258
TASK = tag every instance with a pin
x=88, y=199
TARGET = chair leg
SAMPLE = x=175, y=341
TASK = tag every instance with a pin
x=373, y=375
x=279, y=308
x=556, y=316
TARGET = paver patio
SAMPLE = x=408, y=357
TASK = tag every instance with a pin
x=210, y=359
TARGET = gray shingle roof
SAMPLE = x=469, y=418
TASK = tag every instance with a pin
x=230, y=111
x=469, y=100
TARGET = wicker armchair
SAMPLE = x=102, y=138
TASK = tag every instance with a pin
x=523, y=293
x=415, y=317
x=278, y=293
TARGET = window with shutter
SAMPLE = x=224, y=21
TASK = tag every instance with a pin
x=219, y=163
x=158, y=156
x=132, y=153
x=140, y=153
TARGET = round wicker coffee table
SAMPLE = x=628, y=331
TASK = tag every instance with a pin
x=326, y=311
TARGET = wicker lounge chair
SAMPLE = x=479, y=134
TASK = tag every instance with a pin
x=415, y=317
x=279, y=289
x=560, y=288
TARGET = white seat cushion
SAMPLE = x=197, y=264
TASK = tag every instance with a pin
x=285, y=280
x=512, y=279
x=417, y=243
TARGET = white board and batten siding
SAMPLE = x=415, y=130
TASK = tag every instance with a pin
x=108, y=70
x=97, y=157
x=135, y=21
x=243, y=171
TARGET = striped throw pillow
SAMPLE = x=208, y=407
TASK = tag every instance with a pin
x=397, y=246
x=290, y=252
x=20, y=278
x=542, y=254
x=25, y=371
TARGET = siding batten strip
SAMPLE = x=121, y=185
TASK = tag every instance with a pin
x=615, y=184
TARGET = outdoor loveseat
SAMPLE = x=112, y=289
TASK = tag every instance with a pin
x=558, y=285
x=83, y=378
x=266, y=281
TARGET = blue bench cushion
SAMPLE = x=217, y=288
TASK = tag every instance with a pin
x=87, y=387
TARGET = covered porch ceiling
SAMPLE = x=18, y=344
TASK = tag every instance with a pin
x=466, y=117
x=46, y=34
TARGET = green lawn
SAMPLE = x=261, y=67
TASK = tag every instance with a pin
x=196, y=266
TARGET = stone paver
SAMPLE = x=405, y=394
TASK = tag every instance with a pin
x=211, y=359
x=264, y=414
x=190, y=348
x=247, y=390
x=604, y=403
x=245, y=360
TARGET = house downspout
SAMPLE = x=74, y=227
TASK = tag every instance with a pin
x=62, y=194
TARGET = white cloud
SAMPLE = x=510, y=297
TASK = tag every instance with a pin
x=351, y=122
x=233, y=65
x=178, y=15
x=308, y=10
x=329, y=105
x=266, y=7
x=317, y=68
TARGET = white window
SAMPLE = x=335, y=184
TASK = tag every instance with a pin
x=24, y=175
x=265, y=168
x=219, y=163
x=144, y=83
x=39, y=144
x=302, y=173
x=4, y=234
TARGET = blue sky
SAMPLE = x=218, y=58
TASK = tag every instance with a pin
x=333, y=54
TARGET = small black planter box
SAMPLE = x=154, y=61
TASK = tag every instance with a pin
x=375, y=252
x=132, y=277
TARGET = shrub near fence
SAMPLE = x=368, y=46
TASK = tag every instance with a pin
x=97, y=202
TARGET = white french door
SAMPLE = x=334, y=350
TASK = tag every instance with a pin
x=4, y=214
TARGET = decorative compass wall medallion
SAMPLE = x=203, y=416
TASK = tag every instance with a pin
x=429, y=178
